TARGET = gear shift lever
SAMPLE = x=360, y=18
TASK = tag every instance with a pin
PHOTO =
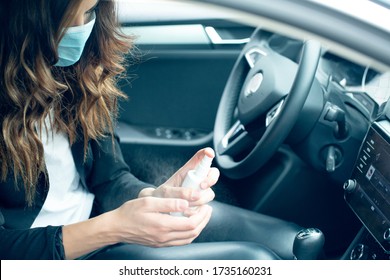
x=308, y=244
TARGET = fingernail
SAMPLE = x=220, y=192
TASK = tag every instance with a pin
x=183, y=205
x=203, y=185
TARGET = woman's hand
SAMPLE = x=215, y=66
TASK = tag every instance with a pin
x=145, y=221
x=141, y=221
x=172, y=187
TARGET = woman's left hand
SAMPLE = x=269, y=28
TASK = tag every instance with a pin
x=172, y=187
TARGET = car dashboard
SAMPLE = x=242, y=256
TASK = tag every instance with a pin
x=367, y=192
x=362, y=93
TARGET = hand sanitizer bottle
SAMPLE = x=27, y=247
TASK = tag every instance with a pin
x=196, y=176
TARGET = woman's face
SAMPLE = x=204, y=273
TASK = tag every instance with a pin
x=85, y=12
x=71, y=46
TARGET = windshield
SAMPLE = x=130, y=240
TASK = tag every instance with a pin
x=357, y=78
x=352, y=76
x=384, y=3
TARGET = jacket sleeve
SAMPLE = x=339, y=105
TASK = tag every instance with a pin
x=110, y=178
x=31, y=244
x=17, y=240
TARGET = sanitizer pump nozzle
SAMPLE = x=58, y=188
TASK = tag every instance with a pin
x=196, y=176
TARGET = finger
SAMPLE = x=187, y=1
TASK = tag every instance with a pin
x=211, y=178
x=198, y=157
x=194, y=161
x=146, y=192
x=207, y=195
x=191, y=211
x=162, y=205
x=192, y=227
x=202, y=220
x=189, y=223
x=208, y=212
x=168, y=191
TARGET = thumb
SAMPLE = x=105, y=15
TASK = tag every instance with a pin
x=192, y=162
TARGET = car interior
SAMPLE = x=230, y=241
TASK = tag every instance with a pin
x=301, y=133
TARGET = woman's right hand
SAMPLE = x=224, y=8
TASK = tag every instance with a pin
x=146, y=221
x=172, y=187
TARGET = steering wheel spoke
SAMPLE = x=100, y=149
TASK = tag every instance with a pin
x=273, y=113
x=253, y=55
x=235, y=141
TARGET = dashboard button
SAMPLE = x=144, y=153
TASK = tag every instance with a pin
x=359, y=252
x=386, y=235
x=349, y=186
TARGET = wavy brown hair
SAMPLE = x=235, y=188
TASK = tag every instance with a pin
x=82, y=97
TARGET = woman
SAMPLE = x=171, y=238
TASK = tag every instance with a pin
x=66, y=191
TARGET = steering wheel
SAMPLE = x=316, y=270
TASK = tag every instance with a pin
x=260, y=104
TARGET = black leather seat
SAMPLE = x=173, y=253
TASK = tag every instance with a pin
x=232, y=233
x=195, y=251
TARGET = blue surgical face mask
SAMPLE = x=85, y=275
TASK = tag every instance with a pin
x=73, y=42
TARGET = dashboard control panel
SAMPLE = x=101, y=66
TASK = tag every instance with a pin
x=367, y=192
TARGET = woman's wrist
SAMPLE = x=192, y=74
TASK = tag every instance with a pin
x=85, y=237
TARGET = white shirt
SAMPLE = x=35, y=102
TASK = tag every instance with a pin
x=67, y=201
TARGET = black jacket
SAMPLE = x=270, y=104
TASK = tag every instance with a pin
x=104, y=173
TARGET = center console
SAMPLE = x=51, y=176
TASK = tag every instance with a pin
x=367, y=192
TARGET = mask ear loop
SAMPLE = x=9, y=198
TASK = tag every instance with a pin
x=91, y=17
x=81, y=28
